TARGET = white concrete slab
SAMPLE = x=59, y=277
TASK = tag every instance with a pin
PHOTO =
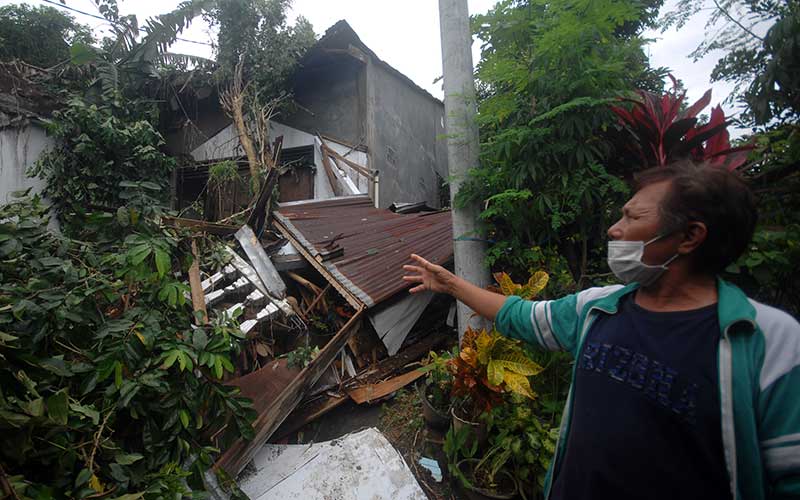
x=359, y=466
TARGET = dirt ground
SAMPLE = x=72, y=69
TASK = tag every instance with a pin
x=399, y=418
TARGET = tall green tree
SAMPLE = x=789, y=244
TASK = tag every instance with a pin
x=547, y=72
x=258, y=34
x=759, y=43
x=40, y=36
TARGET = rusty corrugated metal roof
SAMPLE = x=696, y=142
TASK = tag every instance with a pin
x=376, y=242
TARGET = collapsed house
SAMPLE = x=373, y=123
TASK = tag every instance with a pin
x=354, y=254
x=360, y=183
x=348, y=98
x=360, y=178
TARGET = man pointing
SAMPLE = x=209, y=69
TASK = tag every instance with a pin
x=682, y=386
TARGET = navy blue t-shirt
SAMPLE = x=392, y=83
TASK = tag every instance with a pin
x=646, y=416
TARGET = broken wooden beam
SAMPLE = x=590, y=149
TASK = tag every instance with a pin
x=344, y=292
x=196, y=286
x=200, y=225
x=218, y=277
x=262, y=315
x=248, y=272
x=261, y=263
x=242, y=452
x=317, y=406
x=372, y=392
x=350, y=163
x=309, y=412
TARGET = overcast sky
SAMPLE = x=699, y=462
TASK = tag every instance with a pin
x=406, y=35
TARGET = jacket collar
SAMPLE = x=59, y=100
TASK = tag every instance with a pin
x=733, y=307
x=735, y=312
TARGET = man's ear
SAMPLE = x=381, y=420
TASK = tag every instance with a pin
x=693, y=236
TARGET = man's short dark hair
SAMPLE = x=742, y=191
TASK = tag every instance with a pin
x=712, y=195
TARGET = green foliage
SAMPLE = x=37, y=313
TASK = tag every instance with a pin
x=106, y=387
x=773, y=94
x=768, y=270
x=547, y=72
x=223, y=171
x=520, y=442
x=302, y=356
x=41, y=36
x=760, y=67
x=96, y=151
x=257, y=33
x=128, y=66
x=438, y=379
x=458, y=445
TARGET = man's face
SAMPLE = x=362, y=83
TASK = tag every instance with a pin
x=641, y=221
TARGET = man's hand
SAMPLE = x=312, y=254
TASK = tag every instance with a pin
x=430, y=276
x=438, y=279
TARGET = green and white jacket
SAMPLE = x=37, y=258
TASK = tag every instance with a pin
x=759, y=379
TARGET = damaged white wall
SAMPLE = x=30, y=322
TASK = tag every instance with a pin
x=225, y=144
x=20, y=147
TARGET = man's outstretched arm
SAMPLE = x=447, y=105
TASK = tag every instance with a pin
x=438, y=279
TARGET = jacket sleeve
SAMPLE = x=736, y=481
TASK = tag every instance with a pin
x=550, y=324
x=779, y=406
x=780, y=435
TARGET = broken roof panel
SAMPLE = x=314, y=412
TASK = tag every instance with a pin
x=365, y=247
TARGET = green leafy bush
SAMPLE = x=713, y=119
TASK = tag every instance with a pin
x=520, y=442
x=547, y=72
x=96, y=150
x=105, y=386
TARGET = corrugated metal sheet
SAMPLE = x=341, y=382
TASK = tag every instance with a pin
x=376, y=242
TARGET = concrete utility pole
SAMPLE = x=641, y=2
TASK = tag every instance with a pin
x=469, y=243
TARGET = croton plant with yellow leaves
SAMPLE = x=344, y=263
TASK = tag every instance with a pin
x=490, y=364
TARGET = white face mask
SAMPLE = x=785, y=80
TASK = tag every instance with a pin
x=625, y=261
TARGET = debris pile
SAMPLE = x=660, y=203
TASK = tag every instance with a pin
x=335, y=325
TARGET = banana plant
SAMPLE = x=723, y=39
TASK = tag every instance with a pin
x=130, y=61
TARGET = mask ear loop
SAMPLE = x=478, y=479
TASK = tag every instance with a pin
x=654, y=239
x=669, y=261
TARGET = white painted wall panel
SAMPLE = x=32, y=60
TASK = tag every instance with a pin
x=19, y=149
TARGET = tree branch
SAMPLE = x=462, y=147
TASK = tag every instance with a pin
x=737, y=23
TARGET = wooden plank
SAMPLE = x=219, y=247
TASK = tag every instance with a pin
x=213, y=280
x=350, y=163
x=259, y=214
x=308, y=412
x=199, y=225
x=344, y=292
x=313, y=409
x=326, y=163
x=371, y=392
x=266, y=383
x=264, y=314
x=246, y=270
x=196, y=285
x=317, y=299
x=261, y=263
x=242, y=452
